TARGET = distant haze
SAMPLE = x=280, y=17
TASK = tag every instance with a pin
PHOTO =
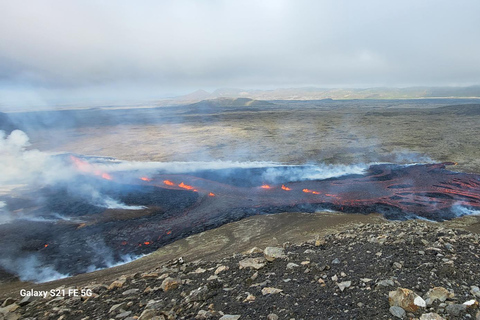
x=82, y=51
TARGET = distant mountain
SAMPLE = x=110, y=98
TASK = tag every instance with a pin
x=227, y=102
x=197, y=95
x=312, y=93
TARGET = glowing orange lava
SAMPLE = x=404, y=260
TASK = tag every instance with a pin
x=265, y=186
x=185, y=186
x=310, y=191
x=86, y=167
x=46, y=245
x=146, y=243
x=106, y=176
x=285, y=188
x=211, y=194
x=169, y=232
x=146, y=179
x=168, y=183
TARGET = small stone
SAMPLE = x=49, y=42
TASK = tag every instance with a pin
x=406, y=299
x=397, y=265
x=292, y=265
x=475, y=291
x=334, y=278
x=123, y=315
x=230, y=317
x=170, y=284
x=456, y=309
x=336, y=261
x=152, y=275
x=365, y=280
x=343, y=285
x=319, y=242
x=26, y=300
x=147, y=314
x=471, y=304
x=129, y=292
x=116, y=284
x=254, y=250
x=116, y=307
x=249, y=298
x=385, y=283
x=10, y=308
x=397, y=312
x=431, y=316
x=255, y=263
x=199, y=270
x=270, y=290
x=439, y=293
x=272, y=253
x=221, y=269
x=272, y=316
x=204, y=314
x=8, y=302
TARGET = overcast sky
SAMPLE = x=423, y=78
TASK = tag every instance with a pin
x=149, y=49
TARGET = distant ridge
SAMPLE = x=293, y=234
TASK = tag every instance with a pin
x=227, y=102
x=312, y=93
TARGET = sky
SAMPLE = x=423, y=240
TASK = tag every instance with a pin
x=79, y=50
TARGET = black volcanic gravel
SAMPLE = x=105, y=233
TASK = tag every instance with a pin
x=376, y=259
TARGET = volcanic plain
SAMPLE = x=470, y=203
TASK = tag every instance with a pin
x=290, y=132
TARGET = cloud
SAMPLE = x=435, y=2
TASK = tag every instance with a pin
x=173, y=46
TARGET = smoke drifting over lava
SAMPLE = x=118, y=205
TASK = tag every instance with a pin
x=65, y=214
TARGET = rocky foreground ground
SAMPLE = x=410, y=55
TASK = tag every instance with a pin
x=394, y=270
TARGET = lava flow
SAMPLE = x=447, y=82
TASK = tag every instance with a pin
x=173, y=206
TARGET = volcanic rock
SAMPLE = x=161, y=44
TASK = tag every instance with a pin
x=343, y=285
x=475, y=291
x=456, y=309
x=270, y=290
x=170, y=284
x=385, y=283
x=26, y=300
x=255, y=263
x=397, y=312
x=272, y=253
x=129, y=292
x=406, y=299
x=431, y=316
x=116, y=307
x=272, y=316
x=438, y=293
x=147, y=314
x=220, y=269
x=230, y=317
x=116, y=284
x=8, y=302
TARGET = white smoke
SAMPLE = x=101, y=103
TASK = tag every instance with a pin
x=461, y=211
x=5, y=215
x=29, y=268
x=18, y=165
x=317, y=172
x=180, y=166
